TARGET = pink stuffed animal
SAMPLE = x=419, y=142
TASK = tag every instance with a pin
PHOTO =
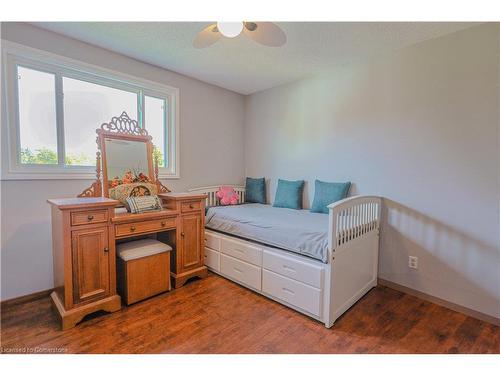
x=227, y=195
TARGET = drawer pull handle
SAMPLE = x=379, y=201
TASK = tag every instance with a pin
x=132, y=228
x=288, y=268
x=239, y=250
x=237, y=270
x=106, y=249
x=90, y=217
x=286, y=290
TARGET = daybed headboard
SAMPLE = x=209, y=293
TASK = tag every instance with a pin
x=212, y=200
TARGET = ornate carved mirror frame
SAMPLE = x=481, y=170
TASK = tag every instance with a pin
x=124, y=128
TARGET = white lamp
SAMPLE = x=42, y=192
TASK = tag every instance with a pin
x=230, y=29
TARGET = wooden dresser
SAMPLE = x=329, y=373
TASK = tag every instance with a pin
x=84, y=234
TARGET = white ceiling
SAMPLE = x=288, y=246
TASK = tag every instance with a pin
x=242, y=65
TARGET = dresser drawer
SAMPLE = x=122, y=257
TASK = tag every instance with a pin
x=212, y=259
x=242, y=272
x=241, y=250
x=89, y=217
x=293, y=292
x=293, y=268
x=143, y=227
x=190, y=206
x=212, y=241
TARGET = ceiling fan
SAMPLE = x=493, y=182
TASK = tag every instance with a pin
x=266, y=33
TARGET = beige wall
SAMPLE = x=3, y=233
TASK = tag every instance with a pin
x=211, y=118
x=419, y=128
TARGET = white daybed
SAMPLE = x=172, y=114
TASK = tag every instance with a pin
x=321, y=290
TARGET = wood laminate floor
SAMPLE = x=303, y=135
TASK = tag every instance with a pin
x=214, y=315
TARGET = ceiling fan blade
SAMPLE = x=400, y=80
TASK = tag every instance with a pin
x=266, y=33
x=208, y=36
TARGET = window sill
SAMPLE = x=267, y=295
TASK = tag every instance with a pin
x=67, y=175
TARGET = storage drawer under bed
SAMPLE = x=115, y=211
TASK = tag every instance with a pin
x=212, y=241
x=243, y=272
x=293, y=268
x=212, y=259
x=293, y=292
x=242, y=250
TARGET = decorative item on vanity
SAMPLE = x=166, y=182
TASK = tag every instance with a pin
x=85, y=230
x=131, y=185
x=227, y=196
x=137, y=205
x=266, y=33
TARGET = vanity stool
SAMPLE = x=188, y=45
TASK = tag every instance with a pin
x=143, y=269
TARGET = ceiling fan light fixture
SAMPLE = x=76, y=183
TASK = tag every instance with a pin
x=230, y=29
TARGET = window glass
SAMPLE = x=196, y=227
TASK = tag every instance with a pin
x=37, y=117
x=154, y=121
x=86, y=107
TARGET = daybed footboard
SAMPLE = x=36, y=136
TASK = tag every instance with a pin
x=353, y=253
x=351, y=219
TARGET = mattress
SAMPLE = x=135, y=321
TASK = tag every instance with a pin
x=299, y=231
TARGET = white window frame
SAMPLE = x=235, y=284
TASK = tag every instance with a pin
x=14, y=54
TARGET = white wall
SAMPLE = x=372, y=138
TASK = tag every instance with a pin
x=419, y=128
x=211, y=118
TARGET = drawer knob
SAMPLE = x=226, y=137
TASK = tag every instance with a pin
x=132, y=228
x=90, y=217
x=191, y=206
x=106, y=249
x=182, y=234
x=163, y=223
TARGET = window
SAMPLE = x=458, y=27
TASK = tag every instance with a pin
x=55, y=105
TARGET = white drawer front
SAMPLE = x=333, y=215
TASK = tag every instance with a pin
x=292, y=268
x=293, y=292
x=212, y=259
x=241, y=250
x=245, y=273
x=212, y=241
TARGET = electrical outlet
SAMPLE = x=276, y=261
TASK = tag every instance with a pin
x=413, y=262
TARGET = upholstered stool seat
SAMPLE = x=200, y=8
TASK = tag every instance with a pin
x=143, y=269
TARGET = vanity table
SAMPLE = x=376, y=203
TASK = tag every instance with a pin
x=85, y=231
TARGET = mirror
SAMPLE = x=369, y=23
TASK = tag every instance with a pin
x=126, y=155
x=123, y=146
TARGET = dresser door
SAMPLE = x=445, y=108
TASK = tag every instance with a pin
x=90, y=253
x=191, y=255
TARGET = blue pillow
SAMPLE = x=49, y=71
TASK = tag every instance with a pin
x=326, y=193
x=255, y=190
x=289, y=194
